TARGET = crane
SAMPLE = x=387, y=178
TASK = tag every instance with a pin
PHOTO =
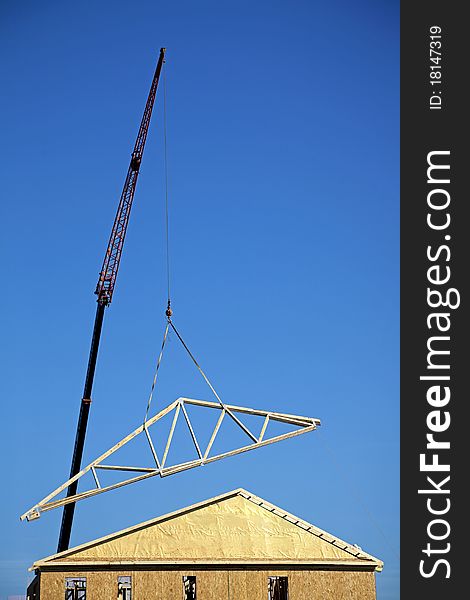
x=104, y=291
x=159, y=464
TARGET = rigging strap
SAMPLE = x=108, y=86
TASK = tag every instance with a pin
x=196, y=363
x=206, y=379
x=165, y=335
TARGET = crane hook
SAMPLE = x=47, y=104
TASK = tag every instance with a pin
x=168, y=311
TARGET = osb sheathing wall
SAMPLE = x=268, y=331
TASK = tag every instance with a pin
x=218, y=584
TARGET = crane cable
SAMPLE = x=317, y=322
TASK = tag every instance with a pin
x=169, y=311
x=167, y=229
x=167, y=244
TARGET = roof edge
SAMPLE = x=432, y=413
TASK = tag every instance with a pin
x=328, y=564
x=352, y=549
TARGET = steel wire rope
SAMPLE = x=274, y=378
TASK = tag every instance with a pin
x=168, y=309
x=167, y=228
x=167, y=244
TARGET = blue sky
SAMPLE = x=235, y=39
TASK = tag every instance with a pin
x=283, y=132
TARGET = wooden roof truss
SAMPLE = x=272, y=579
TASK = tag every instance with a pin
x=160, y=464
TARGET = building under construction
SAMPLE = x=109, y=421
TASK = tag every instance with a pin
x=233, y=547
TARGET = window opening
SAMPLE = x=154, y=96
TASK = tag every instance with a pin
x=125, y=587
x=75, y=588
x=189, y=587
x=278, y=588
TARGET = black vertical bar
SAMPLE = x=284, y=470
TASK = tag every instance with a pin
x=434, y=292
x=69, y=509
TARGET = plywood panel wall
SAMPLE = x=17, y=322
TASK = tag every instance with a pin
x=218, y=584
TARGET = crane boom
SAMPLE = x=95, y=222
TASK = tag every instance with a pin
x=107, y=279
x=104, y=291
